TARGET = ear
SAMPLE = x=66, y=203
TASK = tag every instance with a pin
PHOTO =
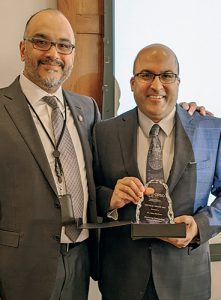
x=73, y=55
x=22, y=50
x=132, y=81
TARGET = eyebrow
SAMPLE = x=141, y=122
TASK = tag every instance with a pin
x=146, y=70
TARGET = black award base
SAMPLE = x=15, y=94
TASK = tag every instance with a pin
x=140, y=231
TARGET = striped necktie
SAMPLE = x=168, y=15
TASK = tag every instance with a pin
x=69, y=165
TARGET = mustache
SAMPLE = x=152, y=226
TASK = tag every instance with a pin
x=50, y=61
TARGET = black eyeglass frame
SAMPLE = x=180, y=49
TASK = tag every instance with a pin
x=176, y=76
x=33, y=40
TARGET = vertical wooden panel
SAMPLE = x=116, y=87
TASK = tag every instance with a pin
x=86, y=18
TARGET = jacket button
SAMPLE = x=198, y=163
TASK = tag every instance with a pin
x=56, y=237
x=57, y=205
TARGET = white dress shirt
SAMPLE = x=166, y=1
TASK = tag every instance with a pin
x=34, y=94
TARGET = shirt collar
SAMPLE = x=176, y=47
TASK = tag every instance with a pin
x=34, y=93
x=165, y=124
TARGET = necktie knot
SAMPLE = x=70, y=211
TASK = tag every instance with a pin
x=51, y=101
x=155, y=130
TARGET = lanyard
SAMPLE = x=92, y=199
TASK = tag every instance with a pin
x=56, y=152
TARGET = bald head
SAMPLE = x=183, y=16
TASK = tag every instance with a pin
x=154, y=50
x=54, y=16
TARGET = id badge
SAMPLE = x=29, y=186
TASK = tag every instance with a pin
x=67, y=213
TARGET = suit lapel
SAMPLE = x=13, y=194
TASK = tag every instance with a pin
x=80, y=123
x=183, y=152
x=79, y=120
x=19, y=112
x=127, y=130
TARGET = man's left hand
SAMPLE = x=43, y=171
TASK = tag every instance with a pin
x=191, y=232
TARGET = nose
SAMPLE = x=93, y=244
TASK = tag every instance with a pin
x=156, y=84
x=52, y=52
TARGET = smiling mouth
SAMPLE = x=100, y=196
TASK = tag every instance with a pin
x=51, y=66
x=156, y=97
x=51, y=63
x=52, y=71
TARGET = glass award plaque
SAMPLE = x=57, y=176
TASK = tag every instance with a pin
x=155, y=208
x=154, y=216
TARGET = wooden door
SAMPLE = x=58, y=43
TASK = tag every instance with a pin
x=86, y=18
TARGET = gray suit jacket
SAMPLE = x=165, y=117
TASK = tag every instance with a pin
x=30, y=214
x=179, y=274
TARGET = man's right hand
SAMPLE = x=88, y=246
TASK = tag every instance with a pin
x=128, y=189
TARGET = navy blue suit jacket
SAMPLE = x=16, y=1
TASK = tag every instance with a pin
x=179, y=274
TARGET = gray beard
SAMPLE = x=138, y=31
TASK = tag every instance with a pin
x=52, y=83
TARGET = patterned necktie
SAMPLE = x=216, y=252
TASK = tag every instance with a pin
x=154, y=156
x=69, y=164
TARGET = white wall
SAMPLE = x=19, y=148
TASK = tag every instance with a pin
x=13, y=16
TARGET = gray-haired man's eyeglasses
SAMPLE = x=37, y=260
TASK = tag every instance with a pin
x=62, y=47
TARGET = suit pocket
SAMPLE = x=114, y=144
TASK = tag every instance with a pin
x=205, y=164
x=9, y=238
x=199, y=165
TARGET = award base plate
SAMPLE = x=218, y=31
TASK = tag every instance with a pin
x=139, y=231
